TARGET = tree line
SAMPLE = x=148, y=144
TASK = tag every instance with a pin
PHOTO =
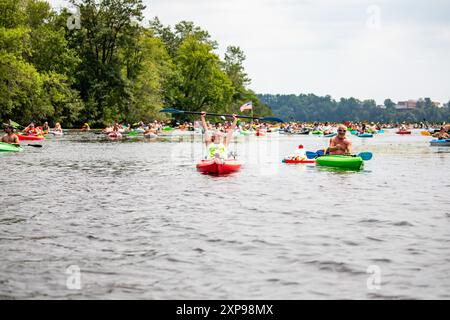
x=310, y=108
x=104, y=64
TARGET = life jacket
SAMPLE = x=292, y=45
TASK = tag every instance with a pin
x=214, y=148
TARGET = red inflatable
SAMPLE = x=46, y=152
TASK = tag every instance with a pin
x=218, y=166
x=298, y=161
x=403, y=132
x=30, y=137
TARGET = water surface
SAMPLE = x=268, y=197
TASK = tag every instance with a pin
x=141, y=223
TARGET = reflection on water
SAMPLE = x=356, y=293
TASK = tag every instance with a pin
x=141, y=222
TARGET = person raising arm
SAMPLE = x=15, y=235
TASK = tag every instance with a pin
x=229, y=135
x=217, y=144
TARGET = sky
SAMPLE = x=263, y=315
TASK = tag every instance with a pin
x=398, y=49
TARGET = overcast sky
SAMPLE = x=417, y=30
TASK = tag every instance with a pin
x=398, y=49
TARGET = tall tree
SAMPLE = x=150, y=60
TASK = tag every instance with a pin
x=107, y=26
x=389, y=104
x=199, y=82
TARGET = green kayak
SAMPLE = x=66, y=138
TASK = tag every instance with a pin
x=336, y=161
x=317, y=132
x=6, y=147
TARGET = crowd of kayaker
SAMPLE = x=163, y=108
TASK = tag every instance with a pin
x=219, y=131
x=327, y=128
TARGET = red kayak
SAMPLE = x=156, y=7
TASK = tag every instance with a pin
x=403, y=132
x=259, y=133
x=298, y=161
x=30, y=137
x=218, y=166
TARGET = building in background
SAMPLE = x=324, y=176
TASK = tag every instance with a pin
x=406, y=105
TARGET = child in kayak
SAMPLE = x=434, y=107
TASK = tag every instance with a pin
x=217, y=144
x=10, y=136
x=340, y=144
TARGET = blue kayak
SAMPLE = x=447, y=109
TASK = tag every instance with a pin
x=440, y=143
x=365, y=135
x=331, y=135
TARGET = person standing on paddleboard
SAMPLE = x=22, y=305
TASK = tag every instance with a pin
x=217, y=144
x=340, y=144
x=10, y=136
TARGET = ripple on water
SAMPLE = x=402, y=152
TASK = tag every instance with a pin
x=143, y=224
x=334, y=266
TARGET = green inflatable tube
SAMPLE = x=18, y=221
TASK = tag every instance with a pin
x=338, y=161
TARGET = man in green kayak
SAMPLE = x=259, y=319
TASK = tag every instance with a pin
x=340, y=144
x=217, y=144
x=10, y=136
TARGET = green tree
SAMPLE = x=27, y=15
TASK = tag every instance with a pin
x=389, y=104
x=182, y=30
x=147, y=66
x=107, y=27
x=34, y=63
x=199, y=82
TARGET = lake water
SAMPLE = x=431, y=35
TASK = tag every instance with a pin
x=87, y=218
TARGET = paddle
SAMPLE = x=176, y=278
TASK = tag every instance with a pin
x=33, y=145
x=366, y=156
x=176, y=111
x=16, y=125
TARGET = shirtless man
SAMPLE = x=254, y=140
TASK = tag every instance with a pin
x=442, y=134
x=10, y=137
x=340, y=144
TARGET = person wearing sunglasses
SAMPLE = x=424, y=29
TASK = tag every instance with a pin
x=10, y=136
x=340, y=144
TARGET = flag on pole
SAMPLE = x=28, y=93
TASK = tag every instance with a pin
x=247, y=106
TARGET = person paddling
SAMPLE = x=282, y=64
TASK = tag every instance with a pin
x=10, y=136
x=217, y=144
x=31, y=130
x=340, y=144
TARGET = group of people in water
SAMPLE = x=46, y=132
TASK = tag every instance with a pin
x=31, y=130
x=219, y=135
